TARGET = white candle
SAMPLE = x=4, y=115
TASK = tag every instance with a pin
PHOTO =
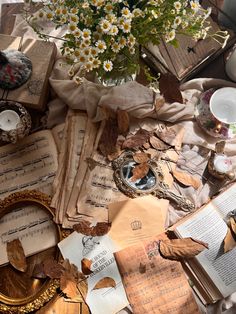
x=222, y=163
x=9, y=120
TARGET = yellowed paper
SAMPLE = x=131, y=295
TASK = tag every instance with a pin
x=29, y=164
x=134, y=220
x=154, y=284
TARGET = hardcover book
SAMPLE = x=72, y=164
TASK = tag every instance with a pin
x=188, y=58
x=34, y=93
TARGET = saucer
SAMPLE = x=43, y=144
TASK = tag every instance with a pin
x=208, y=122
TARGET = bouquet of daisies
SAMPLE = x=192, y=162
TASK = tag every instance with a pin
x=104, y=36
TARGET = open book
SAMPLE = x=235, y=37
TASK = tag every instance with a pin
x=213, y=271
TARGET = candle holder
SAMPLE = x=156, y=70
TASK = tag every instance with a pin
x=15, y=121
x=219, y=165
x=15, y=69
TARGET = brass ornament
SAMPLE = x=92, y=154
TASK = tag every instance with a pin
x=48, y=289
x=153, y=183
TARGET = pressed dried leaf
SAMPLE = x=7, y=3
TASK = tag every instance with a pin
x=140, y=158
x=123, y=122
x=181, y=248
x=159, y=102
x=139, y=171
x=168, y=135
x=91, y=163
x=16, y=255
x=70, y=280
x=186, y=179
x=105, y=282
x=83, y=227
x=169, y=88
x=107, y=142
x=142, y=268
x=86, y=266
x=153, y=153
x=52, y=268
x=230, y=238
x=115, y=154
x=146, y=145
x=100, y=229
x=157, y=143
x=137, y=140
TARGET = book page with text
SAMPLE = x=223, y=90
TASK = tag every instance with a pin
x=208, y=226
x=226, y=201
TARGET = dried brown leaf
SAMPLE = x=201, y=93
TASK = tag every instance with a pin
x=16, y=255
x=153, y=153
x=169, y=88
x=146, y=145
x=186, y=179
x=123, y=121
x=91, y=163
x=159, y=102
x=107, y=141
x=230, y=238
x=86, y=266
x=139, y=171
x=181, y=248
x=70, y=281
x=115, y=154
x=137, y=140
x=157, y=143
x=100, y=229
x=140, y=158
x=168, y=135
x=142, y=268
x=83, y=227
x=105, y=282
x=52, y=268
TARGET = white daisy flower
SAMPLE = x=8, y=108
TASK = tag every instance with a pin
x=195, y=6
x=105, y=25
x=126, y=13
x=115, y=47
x=96, y=63
x=177, y=5
x=74, y=18
x=107, y=66
x=114, y=30
x=108, y=7
x=170, y=36
x=177, y=21
x=126, y=27
x=101, y=45
x=86, y=33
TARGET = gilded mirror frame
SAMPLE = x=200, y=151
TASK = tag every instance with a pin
x=159, y=189
x=49, y=287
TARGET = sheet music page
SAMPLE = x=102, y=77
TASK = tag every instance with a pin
x=28, y=164
x=99, y=251
x=32, y=225
x=57, y=133
x=98, y=190
x=154, y=284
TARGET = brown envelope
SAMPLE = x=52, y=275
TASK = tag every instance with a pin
x=136, y=219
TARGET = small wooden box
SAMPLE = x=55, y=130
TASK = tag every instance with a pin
x=34, y=93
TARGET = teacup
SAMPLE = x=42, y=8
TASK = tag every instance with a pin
x=223, y=107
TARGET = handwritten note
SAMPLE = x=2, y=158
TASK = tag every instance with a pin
x=29, y=164
x=32, y=225
x=99, y=251
x=153, y=284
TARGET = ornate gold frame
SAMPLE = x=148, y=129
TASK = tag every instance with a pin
x=48, y=290
x=159, y=189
